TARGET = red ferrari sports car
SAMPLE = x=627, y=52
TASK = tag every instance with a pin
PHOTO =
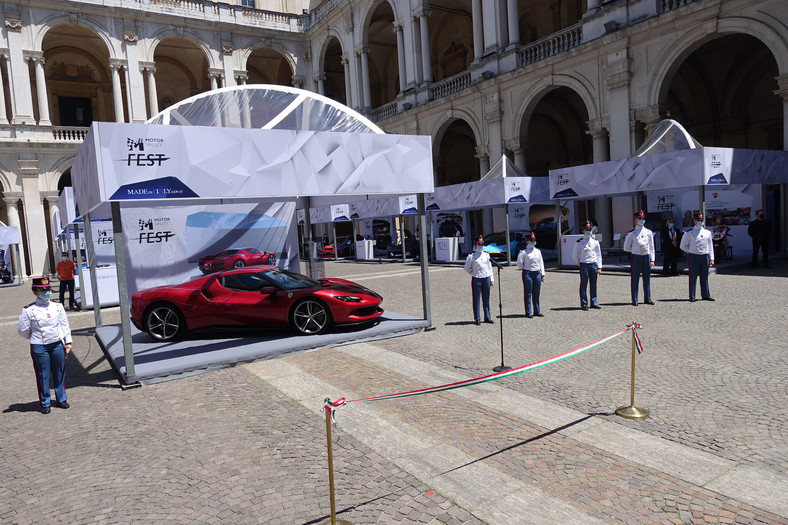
x=260, y=296
x=235, y=258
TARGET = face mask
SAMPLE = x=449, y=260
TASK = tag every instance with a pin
x=700, y=224
x=670, y=225
x=64, y=258
x=45, y=296
x=641, y=222
x=531, y=244
x=587, y=233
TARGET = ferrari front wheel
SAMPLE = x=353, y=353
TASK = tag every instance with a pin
x=164, y=322
x=239, y=264
x=310, y=317
x=272, y=259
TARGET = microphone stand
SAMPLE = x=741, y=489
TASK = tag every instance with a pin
x=503, y=367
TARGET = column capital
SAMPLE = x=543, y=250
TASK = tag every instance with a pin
x=117, y=63
x=482, y=152
x=651, y=114
x=215, y=72
x=782, y=89
x=241, y=75
x=513, y=144
x=147, y=66
x=35, y=56
x=51, y=196
x=12, y=198
x=320, y=75
x=362, y=49
x=420, y=12
x=396, y=26
x=597, y=127
x=28, y=168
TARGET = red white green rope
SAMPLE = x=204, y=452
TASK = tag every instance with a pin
x=333, y=405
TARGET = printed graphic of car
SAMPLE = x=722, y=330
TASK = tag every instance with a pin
x=253, y=297
x=345, y=247
x=495, y=244
x=235, y=258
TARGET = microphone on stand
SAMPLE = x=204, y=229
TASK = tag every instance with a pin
x=496, y=263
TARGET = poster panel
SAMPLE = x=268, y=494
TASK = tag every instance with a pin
x=148, y=162
x=165, y=243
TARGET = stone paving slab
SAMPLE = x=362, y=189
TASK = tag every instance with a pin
x=229, y=447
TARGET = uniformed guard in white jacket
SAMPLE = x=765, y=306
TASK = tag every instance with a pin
x=45, y=324
x=532, y=265
x=699, y=246
x=588, y=256
x=479, y=266
x=640, y=244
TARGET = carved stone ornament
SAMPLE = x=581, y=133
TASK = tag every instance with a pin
x=13, y=24
x=227, y=49
x=131, y=38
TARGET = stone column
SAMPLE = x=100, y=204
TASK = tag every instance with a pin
x=3, y=114
x=135, y=78
x=240, y=77
x=117, y=94
x=41, y=91
x=782, y=92
x=320, y=79
x=215, y=76
x=593, y=7
x=424, y=32
x=11, y=200
x=153, y=95
x=349, y=98
x=400, y=56
x=51, y=198
x=19, y=88
x=619, y=76
x=513, y=16
x=602, y=207
x=35, y=224
x=478, y=29
x=363, y=52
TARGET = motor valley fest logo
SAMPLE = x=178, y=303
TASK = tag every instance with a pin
x=142, y=153
x=104, y=237
x=666, y=202
x=154, y=231
x=137, y=155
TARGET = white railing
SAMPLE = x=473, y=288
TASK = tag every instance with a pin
x=669, y=5
x=450, y=85
x=68, y=134
x=383, y=112
x=551, y=45
x=188, y=5
x=318, y=13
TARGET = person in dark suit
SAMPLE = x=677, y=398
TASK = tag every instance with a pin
x=671, y=240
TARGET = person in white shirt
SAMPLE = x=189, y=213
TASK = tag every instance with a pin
x=479, y=266
x=45, y=324
x=588, y=256
x=699, y=246
x=532, y=265
x=640, y=244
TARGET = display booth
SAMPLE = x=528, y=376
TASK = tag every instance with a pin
x=270, y=145
x=680, y=176
x=9, y=255
x=504, y=186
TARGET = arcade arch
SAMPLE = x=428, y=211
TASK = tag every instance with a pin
x=181, y=70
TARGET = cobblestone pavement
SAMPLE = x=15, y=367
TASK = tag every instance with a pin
x=247, y=444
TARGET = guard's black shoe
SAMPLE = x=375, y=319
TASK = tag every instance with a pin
x=634, y=303
x=529, y=316
x=489, y=321
x=62, y=404
x=477, y=322
x=692, y=299
x=45, y=410
x=584, y=308
x=596, y=307
x=708, y=298
x=650, y=302
x=539, y=314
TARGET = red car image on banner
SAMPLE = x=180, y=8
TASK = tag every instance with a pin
x=235, y=258
x=260, y=296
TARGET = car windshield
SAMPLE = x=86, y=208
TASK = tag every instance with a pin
x=225, y=253
x=288, y=280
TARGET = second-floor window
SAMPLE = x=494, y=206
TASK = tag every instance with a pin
x=248, y=3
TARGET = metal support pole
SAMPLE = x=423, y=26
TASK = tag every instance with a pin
x=424, y=260
x=123, y=292
x=508, y=240
x=330, y=465
x=91, y=251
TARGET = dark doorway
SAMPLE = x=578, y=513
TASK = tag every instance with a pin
x=75, y=111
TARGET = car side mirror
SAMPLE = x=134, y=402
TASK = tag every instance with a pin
x=268, y=290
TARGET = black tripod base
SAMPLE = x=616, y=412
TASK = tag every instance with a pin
x=501, y=368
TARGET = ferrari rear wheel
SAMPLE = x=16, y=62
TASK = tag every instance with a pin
x=272, y=259
x=310, y=317
x=164, y=322
x=239, y=264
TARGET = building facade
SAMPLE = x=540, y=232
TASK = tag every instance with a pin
x=550, y=83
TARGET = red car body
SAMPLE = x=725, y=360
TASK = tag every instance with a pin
x=235, y=258
x=259, y=296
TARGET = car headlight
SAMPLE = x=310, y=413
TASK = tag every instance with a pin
x=348, y=298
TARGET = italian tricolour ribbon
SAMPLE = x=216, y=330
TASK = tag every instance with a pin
x=333, y=405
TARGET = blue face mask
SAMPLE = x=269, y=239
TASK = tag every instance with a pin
x=700, y=224
x=641, y=222
x=587, y=233
x=531, y=244
x=45, y=296
x=670, y=225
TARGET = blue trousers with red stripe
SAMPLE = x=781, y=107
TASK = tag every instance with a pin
x=640, y=265
x=49, y=360
x=481, y=290
x=698, y=267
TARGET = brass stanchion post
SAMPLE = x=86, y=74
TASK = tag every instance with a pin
x=333, y=519
x=631, y=411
